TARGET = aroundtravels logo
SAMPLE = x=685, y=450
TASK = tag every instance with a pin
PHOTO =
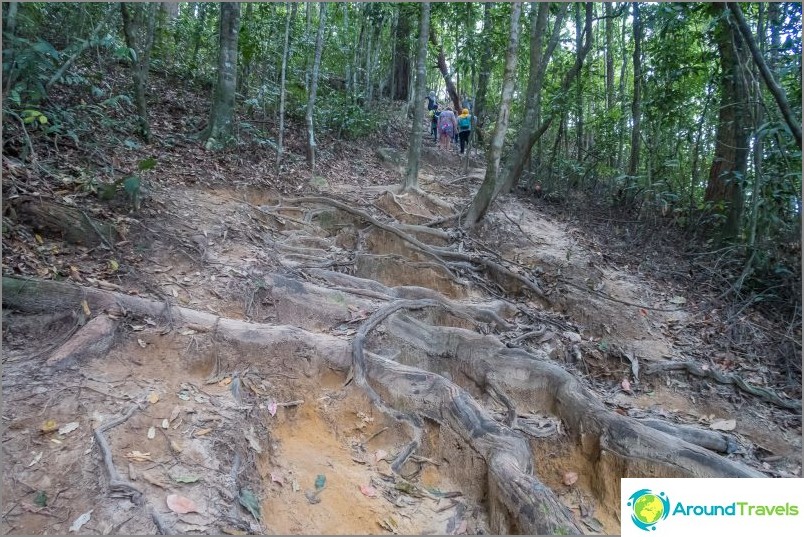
x=648, y=508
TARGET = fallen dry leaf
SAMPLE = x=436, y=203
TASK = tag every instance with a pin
x=626, y=385
x=49, y=426
x=68, y=428
x=368, y=491
x=181, y=505
x=379, y=455
x=277, y=477
x=153, y=398
x=202, y=432
x=570, y=478
x=138, y=456
x=723, y=425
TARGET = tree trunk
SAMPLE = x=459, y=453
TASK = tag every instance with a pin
x=725, y=187
x=400, y=90
x=485, y=195
x=280, y=144
x=529, y=133
x=415, y=145
x=484, y=73
x=319, y=45
x=221, y=116
x=759, y=145
x=610, y=69
x=622, y=127
x=774, y=87
x=636, y=103
x=138, y=26
x=578, y=86
x=442, y=66
x=199, y=28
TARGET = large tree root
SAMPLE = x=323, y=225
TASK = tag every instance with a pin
x=614, y=445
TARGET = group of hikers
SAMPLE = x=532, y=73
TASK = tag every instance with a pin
x=446, y=127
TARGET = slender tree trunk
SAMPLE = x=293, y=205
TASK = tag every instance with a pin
x=442, y=66
x=610, y=69
x=319, y=46
x=221, y=116
x=484, y=73
x=636, y=103
x=197, y=33
x=776, y=90
x=726, y=176
x=528, y=136
x=623, y=106
x=578, y=86
x=138, y=26
x=485, y=195
x=415, y=144
x=280, y=146
x=759, y=145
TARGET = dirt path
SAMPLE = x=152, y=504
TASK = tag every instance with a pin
x=224, y=419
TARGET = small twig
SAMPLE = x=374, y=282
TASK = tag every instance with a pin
x=370, y=438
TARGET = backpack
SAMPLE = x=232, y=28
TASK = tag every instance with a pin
x=465, y=123
x=446, y=128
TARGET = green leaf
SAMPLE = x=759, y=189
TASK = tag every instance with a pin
x=250, y=502
x=131, y=184
x=42, y=119
x=147, y=164
x=41, y=499
x=320, y=481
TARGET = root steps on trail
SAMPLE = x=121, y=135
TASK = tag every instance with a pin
x=614, y=445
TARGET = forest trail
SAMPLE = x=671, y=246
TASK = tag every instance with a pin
x=269, y=420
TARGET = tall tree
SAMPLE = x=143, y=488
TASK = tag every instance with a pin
x=484, y=74
x=401, y=57
x=776, y=90
x=138, y=26
x=415, y=144
x=221, y=115
x=290, y=14
x=531, y=132
x=730, y=161
x=636, y=103
x=485, y=195
x=308, y=118
x=441, y=61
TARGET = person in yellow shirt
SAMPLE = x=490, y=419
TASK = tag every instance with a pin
x=464, y=128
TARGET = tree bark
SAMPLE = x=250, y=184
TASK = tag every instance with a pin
x=221, y=116
x=401, y=68
x=319, y=45
x=774, y=87
x=485, y=195
x=611, y=159
x=578, y=86
x=415, y=145
x=727, y=174
x=636, y=103
x=138, y=26
x=442, y=66
x=280, y=144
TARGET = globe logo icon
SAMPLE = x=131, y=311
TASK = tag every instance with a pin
x=648, y=508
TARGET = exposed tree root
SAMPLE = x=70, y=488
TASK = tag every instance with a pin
x=119, y=487
x=614, y=445
x=725, y=378
x=441, y=255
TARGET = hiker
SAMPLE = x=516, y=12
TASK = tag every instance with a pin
x=464, y=128
x=467, y=102
x=434, y=113
x=447, y=127
x=432, y=102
